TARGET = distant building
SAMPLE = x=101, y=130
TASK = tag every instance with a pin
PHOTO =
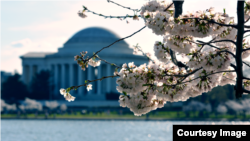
x=3, y=77
x=67, y=73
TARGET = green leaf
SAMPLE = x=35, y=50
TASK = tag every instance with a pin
x=147, y=16
x=124, y=93
x=224, y=10
x=86, y=81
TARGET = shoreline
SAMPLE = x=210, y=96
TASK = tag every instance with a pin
x=127, y=119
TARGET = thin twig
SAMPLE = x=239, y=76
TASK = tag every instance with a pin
x=246, y=63
x=185, y=75
x=118, y=17
x=217, y=48
x=89, y=81
x=195, y=78
x=229, y=79
x=113, y=43
x=124, y=6
x=108, y=62
x=213, y=21
x=144, y=54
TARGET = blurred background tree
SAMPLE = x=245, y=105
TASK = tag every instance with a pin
x=13, y=89
x=41, y=86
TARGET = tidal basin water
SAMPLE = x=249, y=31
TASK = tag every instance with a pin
x=91, y=130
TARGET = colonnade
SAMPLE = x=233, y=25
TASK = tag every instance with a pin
x=65, y=75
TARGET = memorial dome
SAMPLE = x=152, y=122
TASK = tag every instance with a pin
x=94, y=35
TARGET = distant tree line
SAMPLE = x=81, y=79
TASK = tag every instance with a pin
x=218, y=95
x=13, y=89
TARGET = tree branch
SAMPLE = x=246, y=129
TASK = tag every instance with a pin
x=185, y=75
x=175, y=61
x=246, y=78
x=178, y=11
x=89, y=81
x=86, y=60
x=123, y=17
x=219, y=41
x=194, y=78
x=216, y=47
x=246, y=64
x=246, y=91
x=212, y=21
x=245, y=49
x=108, y=62
x=123, y=6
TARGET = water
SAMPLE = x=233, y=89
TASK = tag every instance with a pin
x=87, y=130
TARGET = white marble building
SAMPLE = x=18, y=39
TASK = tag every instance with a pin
x=67, y=73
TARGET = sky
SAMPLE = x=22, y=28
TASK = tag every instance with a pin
x=44, y=26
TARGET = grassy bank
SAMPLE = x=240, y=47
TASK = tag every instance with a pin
x=113, y=115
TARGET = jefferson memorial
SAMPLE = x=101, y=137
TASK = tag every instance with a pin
x=65, y=71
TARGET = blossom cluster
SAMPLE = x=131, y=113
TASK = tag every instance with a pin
x=66, y=95
x=92, y=61
x=147, y=87
x=166, y=82
x=162, y=85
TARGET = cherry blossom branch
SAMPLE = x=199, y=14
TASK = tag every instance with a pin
x=192, y=79
x=124, y=6
x=247, y=20
x=216, y=47
x=175, y=61
x=232, y=65
x=185, y=75
x=213, y=21
x=246, y=91
x=112, y=64
x=89, y=81
x=246, y=31
x=246, y=63
x=118, y=17
x=207, y=75
x=218, y=41
x=229, y=78
x=245, y=49
x=178, y=11
x=246, y=78
x=246, y=26
x=168, y=7
x=86, y=60
x=138, y=47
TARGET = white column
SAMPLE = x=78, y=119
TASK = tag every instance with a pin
x=30, y=74
x=80, y=81
x=99, y=84
x=108, y=79
x=24, y=74
x=50, y=67
x=56, y=91
x=90, y=77
x=71, y=75
x=63, y=67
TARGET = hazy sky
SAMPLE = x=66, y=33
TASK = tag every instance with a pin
x=44, y=26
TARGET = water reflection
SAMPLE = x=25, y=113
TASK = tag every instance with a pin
x=77, y=130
